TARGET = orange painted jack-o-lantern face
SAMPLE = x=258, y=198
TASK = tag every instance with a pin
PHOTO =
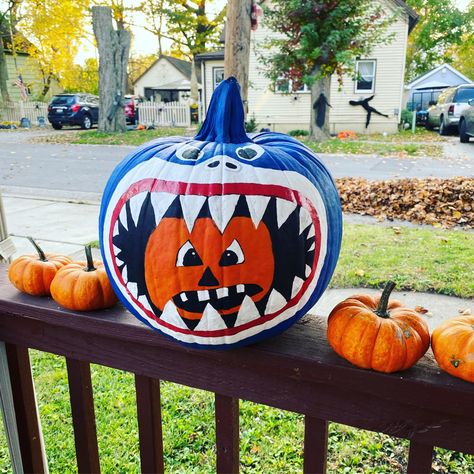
x=194, y=269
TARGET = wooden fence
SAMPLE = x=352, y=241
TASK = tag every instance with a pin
x=172, y=114
x=295, y=371
x=15, y=111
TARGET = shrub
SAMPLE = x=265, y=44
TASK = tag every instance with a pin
x=251, y=125
x=298, y=133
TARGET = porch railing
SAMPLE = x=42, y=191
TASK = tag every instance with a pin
x=295, y=371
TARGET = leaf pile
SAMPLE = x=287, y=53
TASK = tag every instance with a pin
x=439, y=202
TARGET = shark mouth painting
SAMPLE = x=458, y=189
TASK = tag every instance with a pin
x=219, y=244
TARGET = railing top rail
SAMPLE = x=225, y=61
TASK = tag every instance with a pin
x=297, y=370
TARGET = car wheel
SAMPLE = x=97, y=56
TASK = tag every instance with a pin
x=443, y=130
x=86, y=123
x=57, y=126
x=428, y=125
x=463, y=136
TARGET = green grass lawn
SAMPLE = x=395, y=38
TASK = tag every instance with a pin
x=391, y=145
x=132, y=137
x=359, y=146
x=271, y=440
x=420, y=135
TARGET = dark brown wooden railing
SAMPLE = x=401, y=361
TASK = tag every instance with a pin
x=295, y=371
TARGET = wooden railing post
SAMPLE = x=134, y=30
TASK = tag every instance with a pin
x=227, y=434
x=149, y=424
x=26, y=411
x=315, y=445
x=420, y=458
x=83, y=416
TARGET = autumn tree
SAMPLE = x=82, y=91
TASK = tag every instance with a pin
x=463, y=56
x=54, y=30
x=137, y=65
x=441, y=27
x=318, y=38
x=189, y=24
x=83, y=77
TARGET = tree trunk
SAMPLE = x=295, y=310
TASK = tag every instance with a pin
x=237, y=44
x=46, y=85
x=113, y=46
x=3, y=75
x=320, y=100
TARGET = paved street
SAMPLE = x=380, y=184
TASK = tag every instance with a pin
x=80, y=172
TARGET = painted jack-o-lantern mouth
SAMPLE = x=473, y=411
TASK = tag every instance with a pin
x=212, y=258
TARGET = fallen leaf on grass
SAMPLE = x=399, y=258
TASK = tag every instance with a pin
x=465, y=312
x=360, y=273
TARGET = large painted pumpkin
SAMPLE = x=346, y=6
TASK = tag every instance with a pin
x=221, y=239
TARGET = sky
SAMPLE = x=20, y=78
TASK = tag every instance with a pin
x=144, y=43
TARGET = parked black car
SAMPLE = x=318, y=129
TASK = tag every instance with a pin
x=466, y=123
x=73, y=109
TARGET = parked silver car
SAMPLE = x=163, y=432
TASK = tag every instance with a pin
x=466, y=122
x=445, y=113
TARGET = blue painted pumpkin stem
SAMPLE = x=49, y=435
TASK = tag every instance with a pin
x=225, y=117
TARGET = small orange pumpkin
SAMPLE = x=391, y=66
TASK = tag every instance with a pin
x=373, y=333
x=453, y=346
x=83, y=286
x=33, y=274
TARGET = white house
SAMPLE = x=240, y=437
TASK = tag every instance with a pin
x=168, y=79
x=380, y=74
x=427, y=87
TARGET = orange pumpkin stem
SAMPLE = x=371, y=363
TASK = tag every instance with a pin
x=41, y=254
x=90, y=262
x=383, y=303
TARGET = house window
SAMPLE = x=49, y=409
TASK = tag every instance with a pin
x=217, y=76
x=285, y=86
x=365, y=75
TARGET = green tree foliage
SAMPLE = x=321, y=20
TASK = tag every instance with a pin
x=441, y=27
x=83, y=78
x=463, y=56
x=317, y=38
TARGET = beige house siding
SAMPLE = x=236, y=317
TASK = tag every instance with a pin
x=29, y=70
x=162, y=72
x=285, y=112
x=388, y=92
x=207, y=75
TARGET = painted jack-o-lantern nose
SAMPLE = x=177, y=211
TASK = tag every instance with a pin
x=208, y=278
x=205, y=266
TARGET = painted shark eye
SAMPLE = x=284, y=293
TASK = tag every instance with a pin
x=189, y=153
x=232, y=255
x=187, y=256
x=250, y=152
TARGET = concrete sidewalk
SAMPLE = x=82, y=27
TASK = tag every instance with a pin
x=64, y=227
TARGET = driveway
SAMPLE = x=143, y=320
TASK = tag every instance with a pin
x=459, y=151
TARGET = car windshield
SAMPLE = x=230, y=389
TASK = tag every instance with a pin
x=63, y=100
x=463, y=95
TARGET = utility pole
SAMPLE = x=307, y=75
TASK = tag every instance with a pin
x=237, y=44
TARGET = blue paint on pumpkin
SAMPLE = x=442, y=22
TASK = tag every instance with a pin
x=222, y=142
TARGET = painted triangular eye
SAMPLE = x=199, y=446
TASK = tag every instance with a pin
x=187, y=256
x=250, y=152
x=232, y=255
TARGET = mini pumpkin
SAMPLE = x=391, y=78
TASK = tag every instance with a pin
x=222, y=239
x=453, y=347
x=33, y=274
x=83, y=286
x=375, y=333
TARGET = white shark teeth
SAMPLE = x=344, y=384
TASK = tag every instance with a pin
x=276, y=301
x=123, y=217
x=170, y=315
x=125, y=274
x=297, y=284
x=116, y=228
x=313, y=246
x=257, y=206
x=307, y=271
x=160, y=203
x=211, y=320
x=240, y=288
x=311, y=233
x=183, y=296
x=136, y=203
x=144, y=302
x=133, y=288
x=222, y=209
x=222, y=292
x=284, y=210
x=305, y=219
x=191, y=206
x=247, y=312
